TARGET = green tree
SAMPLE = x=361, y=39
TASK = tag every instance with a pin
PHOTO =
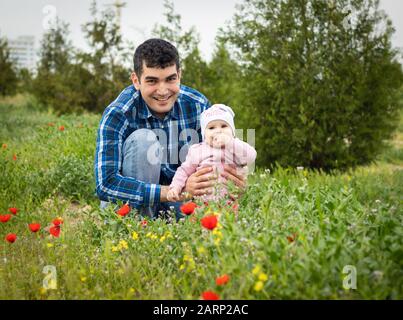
x=8, y=74
x=105, y=60
x=321, y=79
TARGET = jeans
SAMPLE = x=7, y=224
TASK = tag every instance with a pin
x=142, y=155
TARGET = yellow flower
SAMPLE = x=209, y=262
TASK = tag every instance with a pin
x=123, y=244
x=201, y=250
x=263, y=276
x=148, y=235
x=217, y=241
x=83, y=279
x=154, y=236
x=135, y=235
x=131, y=290
x=49, y=245
x=162, y=239
x=115, y=248
x=256, y=270
x=182, y=266
x=168, y=235
x=258, y=286
x=42, y=290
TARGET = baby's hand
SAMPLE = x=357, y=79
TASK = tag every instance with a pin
x=221, y=140
x=173, y=195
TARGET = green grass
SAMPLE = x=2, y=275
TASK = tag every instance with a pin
x=352, y=218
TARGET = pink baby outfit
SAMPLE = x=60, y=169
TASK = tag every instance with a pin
x=237, y=152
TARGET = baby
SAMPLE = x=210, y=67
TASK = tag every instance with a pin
x=219, y=147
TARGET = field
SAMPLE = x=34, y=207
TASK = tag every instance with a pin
x=298, y=234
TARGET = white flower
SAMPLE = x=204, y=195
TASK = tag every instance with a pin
x=300, y=168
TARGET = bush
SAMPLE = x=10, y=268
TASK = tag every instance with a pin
x=321, y=80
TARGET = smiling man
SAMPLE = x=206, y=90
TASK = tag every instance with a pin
x=146, y=132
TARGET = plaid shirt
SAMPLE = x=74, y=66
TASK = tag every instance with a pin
x=122, y=117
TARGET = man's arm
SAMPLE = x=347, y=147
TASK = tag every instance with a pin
x=110, y=183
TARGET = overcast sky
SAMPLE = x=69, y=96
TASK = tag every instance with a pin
x=28, y=17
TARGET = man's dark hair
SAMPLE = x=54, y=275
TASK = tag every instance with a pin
x=156, y=53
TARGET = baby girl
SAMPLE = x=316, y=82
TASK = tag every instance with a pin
x=219, y=147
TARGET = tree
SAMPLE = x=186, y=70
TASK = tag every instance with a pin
x=8, y=75
x=321, y=79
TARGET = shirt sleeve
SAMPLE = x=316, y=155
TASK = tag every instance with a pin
x=110, y=183
x=244, y=153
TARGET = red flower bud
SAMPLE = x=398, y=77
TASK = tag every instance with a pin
x=209, y=222
x=55, y=231
x=34, y=227
x=11, y=237
x=210, y=295
x=124, y=210
x=13, y=210
x=5, y=217
x=188, y=208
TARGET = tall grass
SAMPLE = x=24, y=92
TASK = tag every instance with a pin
x=299, y=228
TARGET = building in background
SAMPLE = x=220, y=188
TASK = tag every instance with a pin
x=23, y=53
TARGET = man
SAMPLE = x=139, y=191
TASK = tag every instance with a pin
x=144, y=135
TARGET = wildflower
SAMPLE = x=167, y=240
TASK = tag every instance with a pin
x=135, y=235
x=256, y=270
x=11, y=237
x=34, y=227
x=115, y=248
x=209, y=222
x=300, y=168
x=210, y=295
x=144, y=223
x=13, y=210
x=4, y=146
x=42, y=291
x=83, y=279
x=123, y=244
x=220, y=281
x=162, y=239
x=131, y=290
x=51, y=124
x=201, y=250
x=61, y=128
x=58, y=221
x=262, y=277
x=188, y=208
x=14, y=157
x=124, y=210
x=55, y=231
x=49, y=245
x=258, y=286
x=5, y=217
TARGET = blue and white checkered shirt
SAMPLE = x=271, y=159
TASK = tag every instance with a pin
x=122, y=117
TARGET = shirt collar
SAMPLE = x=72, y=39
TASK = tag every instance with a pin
x=145, y=113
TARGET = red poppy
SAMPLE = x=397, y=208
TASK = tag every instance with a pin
x=209, y=222
x=220, y=281
x=61, y=128
x=188, y=208
x=210, y=295
x=57, y=221
x=292, y=238
x=5, y=217
x=144, y=223
x=34, y=227
x=11, y=237
x=14, y=157
x=55, y=231
x=13, y=210
x=124, y=210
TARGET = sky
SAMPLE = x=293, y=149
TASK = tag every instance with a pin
x=30, y=17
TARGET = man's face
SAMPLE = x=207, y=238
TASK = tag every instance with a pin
x=159, y=88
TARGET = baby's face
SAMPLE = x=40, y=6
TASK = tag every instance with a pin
x=215, y=129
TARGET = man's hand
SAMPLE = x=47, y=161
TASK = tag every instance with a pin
x=239, y=178
x=201, y=182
